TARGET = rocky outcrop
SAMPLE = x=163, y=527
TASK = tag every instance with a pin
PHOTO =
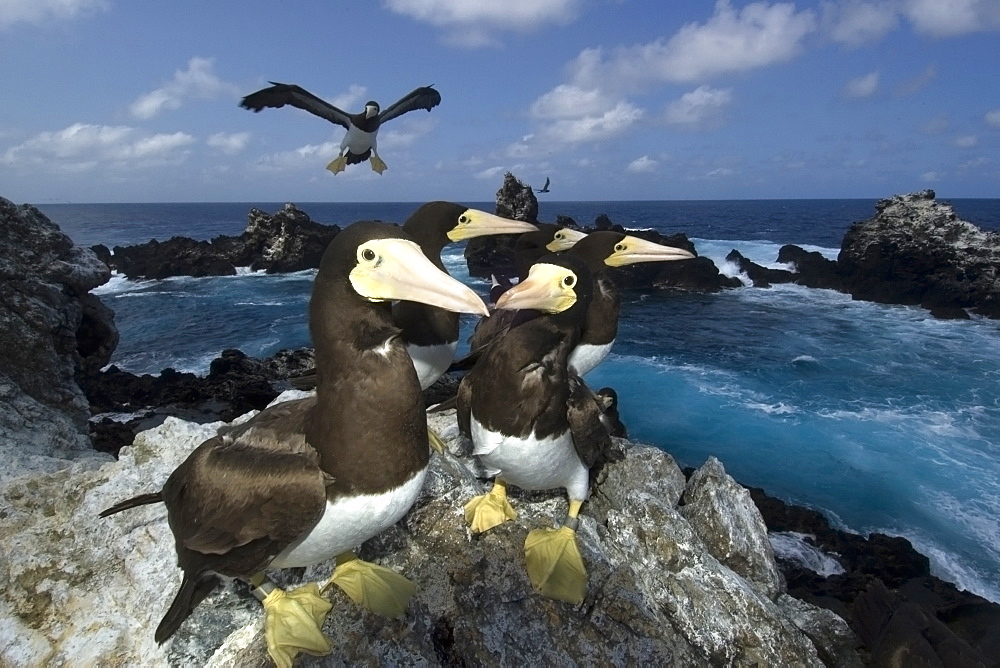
x=516, y=200
x=811, y=268
x=916, y=250
x=51, y=331
x=93, y=590
x=286, y=241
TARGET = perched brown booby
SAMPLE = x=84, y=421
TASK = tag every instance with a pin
x=431, y=333
x=308, y=481
x=535, y=424
x=362, y=128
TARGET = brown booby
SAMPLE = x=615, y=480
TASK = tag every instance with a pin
x=545, y=188
x=431, y=333
x=359, y=144
x=308, y=481
x=535, y=424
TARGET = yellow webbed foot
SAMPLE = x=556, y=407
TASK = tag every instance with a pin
x=293, y=623
x=377, y=164
x=435, y=441
x=554, y=564
x=371, y=586
x=488, y=510
x=338, y=164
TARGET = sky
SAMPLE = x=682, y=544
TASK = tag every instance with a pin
x=137, y=101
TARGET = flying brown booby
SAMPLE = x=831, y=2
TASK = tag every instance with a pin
x=535, y=424
x=308, y=481
x=359, y=144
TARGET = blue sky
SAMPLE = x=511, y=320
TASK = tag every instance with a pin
x=115, y=101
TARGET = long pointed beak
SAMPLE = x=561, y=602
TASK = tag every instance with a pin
x=541, y=290
x=564, y=239
x=402, y=271
x=476, y=223
x=636, y=250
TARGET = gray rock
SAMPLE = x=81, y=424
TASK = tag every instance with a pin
x=51, y=329
x=516, y=200
x=88, y=591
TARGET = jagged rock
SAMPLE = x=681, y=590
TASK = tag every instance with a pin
x=51, y=330
x=516, y=201
x=725, y=517
x=286, y=241
x=761, y=276
x=92, y=591
x=916, y=250
x=810, y=268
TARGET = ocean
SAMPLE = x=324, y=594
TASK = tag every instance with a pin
x=880, y=416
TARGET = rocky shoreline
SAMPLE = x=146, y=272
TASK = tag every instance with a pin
x=894, y=609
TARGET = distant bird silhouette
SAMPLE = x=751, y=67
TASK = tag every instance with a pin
x=545, y=188
x=359, y=144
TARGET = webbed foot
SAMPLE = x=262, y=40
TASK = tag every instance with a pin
x=338, y=164
x=293, y=623
x=371, y=586
x=435, y=441
x=554, y=564
x=488, y=510
x=377, y=164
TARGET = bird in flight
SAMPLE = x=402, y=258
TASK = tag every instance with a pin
x=359, y=144
x=545, y=188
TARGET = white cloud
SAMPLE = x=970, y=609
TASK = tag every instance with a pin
x=81, y=146
x=856, y=23
x=405, y=133
x=229, y=143
x=567, y=101
x=642, y=165
x=474, y=23
x=992, y=118
x=864, y=86
x=966, y=141
x=950, y=18
x=490, y=173
x=353, y=98
x=930, y=177
x=758, y=35
x=611, y=123
x=40, y=11
x=699, y=108
x=197, y=81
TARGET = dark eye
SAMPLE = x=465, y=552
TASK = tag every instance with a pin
x=569, y=281
x=559, y=235
x=368, y=255
x=463, y=219
x=619, y=248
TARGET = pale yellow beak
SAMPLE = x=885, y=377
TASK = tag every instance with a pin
x=564, y=239
x=476, y=223
x=631, y=250
x=548, y=288
x=390, y=269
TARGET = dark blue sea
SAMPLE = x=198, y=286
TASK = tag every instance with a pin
x=882, y=417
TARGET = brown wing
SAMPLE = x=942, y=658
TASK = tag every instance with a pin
x=242, y=497
x=463, y=412
x=424, y=97
x=590, y=437
x=279, y=94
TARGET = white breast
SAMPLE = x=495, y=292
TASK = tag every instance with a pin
x=348, y=522
x=587, y=355
x=357, y=141
x=532, y=463
x=431, y=361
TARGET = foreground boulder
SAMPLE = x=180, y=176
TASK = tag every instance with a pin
x=916, y=250
x=666, y=587
x=286, y=241
x=51, y=331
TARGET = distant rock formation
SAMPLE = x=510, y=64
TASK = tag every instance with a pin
x=516, y=201
x=52, y=330
x=286, y=241
x=691, y=585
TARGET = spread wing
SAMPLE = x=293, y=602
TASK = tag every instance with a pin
x=424, y=97
x=245, y=495
x=590, y=437
x=279, y=94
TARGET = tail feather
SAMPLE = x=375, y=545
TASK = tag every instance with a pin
x=193, y=591
x=141, y=500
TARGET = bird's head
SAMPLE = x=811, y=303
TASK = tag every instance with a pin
x=555, y=284
x=382, y=263
x=614, y=249
x=371, y=109
x=452, y=222
x=564, y=239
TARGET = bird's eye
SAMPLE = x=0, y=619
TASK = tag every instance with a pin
x=569, y=281
x=559, y=235
x=619, y=248
x=463, y=219
x=368, y=255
